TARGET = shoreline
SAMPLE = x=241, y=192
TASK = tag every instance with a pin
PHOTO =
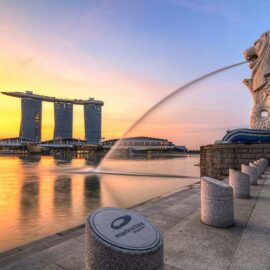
x=54, y=237
x=72, y=196
x=188, y=243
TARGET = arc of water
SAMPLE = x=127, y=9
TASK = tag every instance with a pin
x=180, y=89
x=169, y=96
x=99, y=169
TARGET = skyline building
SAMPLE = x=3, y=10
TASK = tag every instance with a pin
x=31, y=111
x=92, y=123
x=63, y=120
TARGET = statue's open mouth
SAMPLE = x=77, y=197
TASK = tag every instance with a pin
x=252, y=59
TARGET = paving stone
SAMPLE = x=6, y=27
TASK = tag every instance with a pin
x=76, y=261
x=253, y=252
x=168, y=267
x=10, y=252
x=80, y=238
x=50, y=241
x=193, y=245
x=46, y=257
x=53, y=267
x=164, y=222
x=21, y=254
x=38, y=262
x=242, y=213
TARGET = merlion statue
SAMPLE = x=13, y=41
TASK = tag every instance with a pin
x=258, y=57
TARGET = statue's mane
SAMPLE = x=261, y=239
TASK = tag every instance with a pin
x=262, y=67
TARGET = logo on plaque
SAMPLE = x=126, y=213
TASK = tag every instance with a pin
x=120, y=222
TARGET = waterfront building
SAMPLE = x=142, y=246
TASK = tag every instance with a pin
x=92, y=121
x=63, y=120
x=141, y=143
x=62, y=143
x=14, y=142
x=31, y=110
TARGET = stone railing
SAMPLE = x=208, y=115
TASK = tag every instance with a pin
x=216, y=160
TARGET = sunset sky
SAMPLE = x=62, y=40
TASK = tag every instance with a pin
x=130, y=54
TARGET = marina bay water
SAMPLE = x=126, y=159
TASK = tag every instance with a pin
x=39, y=195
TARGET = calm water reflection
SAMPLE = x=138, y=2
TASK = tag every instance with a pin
x=38, y=197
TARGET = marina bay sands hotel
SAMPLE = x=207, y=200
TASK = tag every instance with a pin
x=31, y=119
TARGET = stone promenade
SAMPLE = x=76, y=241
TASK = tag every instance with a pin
x=189, y=244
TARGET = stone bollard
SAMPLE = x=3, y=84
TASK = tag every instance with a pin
x=216, y=203
x=257, y=167
x=259, y=162
x=240, y=183
x=267, y=169
x=120, y=239
x=264, y=163
x=252, y=172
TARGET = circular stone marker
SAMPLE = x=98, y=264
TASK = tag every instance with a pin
x=122, y=239
x=124, y=229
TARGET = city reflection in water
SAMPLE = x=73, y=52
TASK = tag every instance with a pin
x=38, y=197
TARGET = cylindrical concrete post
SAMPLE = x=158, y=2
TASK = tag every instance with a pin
x=120, y=239
x=266, y=162
x=267, y=169
x=252, y=172
x=240, y=183
x=263, y=162
x=260, y=164
x=216, y=203
x=257, y=167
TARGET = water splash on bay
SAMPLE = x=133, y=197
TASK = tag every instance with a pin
x=102, y=168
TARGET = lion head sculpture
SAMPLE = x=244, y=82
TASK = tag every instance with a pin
x=258, y=57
